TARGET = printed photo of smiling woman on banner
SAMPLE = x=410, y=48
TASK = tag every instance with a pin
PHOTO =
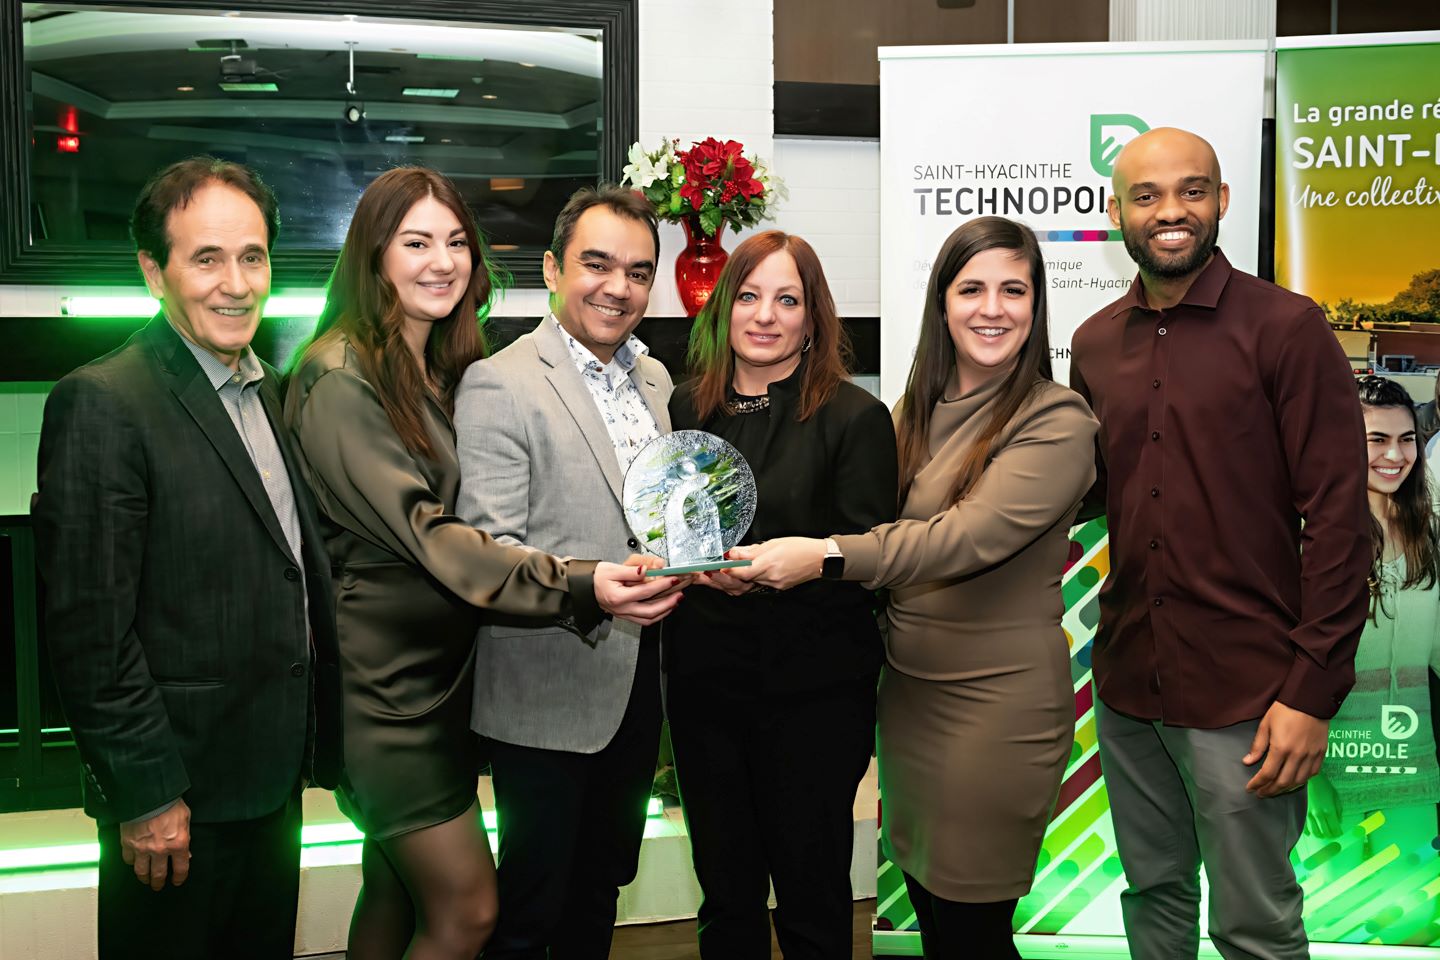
x=1357, y=202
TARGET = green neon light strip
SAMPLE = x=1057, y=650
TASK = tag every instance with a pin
x=315, y=835
x=249, y=88
x=448, y=92
x=131, y=305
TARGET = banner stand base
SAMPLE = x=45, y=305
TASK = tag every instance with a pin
x=906, y=943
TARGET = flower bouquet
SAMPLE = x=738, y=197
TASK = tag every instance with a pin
x=711, y=184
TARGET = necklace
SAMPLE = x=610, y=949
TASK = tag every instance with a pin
x=737, y=405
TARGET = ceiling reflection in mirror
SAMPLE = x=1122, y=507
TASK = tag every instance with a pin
x=319, y=106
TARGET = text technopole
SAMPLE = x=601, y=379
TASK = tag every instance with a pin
x=1011, y=196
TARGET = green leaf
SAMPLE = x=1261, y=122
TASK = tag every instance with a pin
x=710, y=220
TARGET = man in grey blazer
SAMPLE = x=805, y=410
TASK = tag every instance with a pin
x=545, y=431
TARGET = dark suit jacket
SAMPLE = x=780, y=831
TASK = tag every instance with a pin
x=174, y=612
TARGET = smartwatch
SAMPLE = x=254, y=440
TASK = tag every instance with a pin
x=833, y=566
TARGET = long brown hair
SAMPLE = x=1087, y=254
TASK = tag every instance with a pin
x=710, y=356
x=362, y=306
x=935, y=353
x=1410, y=506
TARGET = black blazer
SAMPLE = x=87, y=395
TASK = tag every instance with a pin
x=173, y=607
x=834, y=473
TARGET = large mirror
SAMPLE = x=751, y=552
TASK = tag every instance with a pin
x=98, y=96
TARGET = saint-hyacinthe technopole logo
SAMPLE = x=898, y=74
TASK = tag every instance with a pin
x=1109, y=132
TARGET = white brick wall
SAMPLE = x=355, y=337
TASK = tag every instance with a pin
x=705, y=71
x=835, y=205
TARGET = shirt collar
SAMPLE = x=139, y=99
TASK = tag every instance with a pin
x=626, y=356
x=218, y=373
x=1204, y=292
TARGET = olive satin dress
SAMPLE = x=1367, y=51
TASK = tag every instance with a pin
x=411, y=580
x=976, y=709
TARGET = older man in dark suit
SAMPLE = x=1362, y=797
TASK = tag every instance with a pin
x=188, y=606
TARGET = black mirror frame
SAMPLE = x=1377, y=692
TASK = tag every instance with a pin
x=106, y=264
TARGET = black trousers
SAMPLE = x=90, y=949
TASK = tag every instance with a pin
x=950, y=930
x=570, y=827
x=238, y=902
x=769, y=791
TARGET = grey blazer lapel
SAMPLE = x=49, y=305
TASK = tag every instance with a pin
x=649, y=388
x=567, y=382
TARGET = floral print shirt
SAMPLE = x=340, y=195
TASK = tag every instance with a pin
x=627, y=419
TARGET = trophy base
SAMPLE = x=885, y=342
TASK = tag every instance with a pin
x=696, y=568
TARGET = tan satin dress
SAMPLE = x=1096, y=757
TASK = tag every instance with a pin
x=410, y=581
x=976, y=711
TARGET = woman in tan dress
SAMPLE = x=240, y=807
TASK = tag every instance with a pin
x=369, y=404
x=976, y=709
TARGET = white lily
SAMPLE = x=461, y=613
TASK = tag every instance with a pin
x=642, y=171
x=774, y=186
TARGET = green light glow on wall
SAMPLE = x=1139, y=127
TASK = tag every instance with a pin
x=139, y=305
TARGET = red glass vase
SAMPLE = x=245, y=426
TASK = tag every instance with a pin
x=697, y=267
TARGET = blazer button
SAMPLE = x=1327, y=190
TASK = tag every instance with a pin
x=633, y=544
x=297, y=669
x=292, y=574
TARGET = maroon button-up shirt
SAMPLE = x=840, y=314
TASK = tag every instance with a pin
x=1232, y=458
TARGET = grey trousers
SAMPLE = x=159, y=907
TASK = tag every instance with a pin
x=1177, y=798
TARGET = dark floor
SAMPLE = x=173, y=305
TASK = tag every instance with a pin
x=676, y=941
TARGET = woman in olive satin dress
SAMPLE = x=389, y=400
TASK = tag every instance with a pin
x=369, y=404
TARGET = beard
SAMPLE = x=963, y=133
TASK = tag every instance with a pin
x=1168, y=266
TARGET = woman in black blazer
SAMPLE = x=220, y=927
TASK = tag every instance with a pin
x=771, y=697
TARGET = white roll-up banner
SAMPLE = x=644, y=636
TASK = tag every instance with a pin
x=1030, y=132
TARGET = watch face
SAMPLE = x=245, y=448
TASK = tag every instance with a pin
x=689, y=496
x=832, y=568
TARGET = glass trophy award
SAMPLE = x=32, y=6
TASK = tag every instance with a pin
x=689, y=496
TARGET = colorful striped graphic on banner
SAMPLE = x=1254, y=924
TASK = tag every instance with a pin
x=1078, y=863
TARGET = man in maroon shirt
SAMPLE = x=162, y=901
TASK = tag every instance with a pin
x=1232, y=465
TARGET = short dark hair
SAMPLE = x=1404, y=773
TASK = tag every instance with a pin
x=172, y=188
x=621, y=201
